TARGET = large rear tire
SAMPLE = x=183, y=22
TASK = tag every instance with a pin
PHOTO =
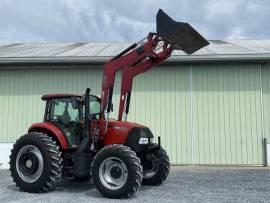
x=159, y=170
x=117, y=172
x=36, y=163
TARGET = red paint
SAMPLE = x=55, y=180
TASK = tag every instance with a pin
x=47, y=126
x=117, y=131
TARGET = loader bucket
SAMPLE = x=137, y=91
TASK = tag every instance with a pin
x=180, y=34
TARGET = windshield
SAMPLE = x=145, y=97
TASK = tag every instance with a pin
x=94, y=105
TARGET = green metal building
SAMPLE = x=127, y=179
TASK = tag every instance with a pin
x=212, y=107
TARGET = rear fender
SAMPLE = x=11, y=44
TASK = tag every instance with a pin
x=51, y=130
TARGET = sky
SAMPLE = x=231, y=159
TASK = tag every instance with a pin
x=128, y=20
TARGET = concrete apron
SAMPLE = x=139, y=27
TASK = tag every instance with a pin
x=5, y=149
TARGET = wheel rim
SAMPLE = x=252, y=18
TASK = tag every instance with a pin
x=113, y=173
x=29, y=163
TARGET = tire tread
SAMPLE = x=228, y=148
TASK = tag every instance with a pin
x=134, y=166
x=162, y=172
x=54, y=157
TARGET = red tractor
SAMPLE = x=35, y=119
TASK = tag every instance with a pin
x=77, y=139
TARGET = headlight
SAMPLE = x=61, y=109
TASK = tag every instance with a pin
x=151, y=140
x=144, y=140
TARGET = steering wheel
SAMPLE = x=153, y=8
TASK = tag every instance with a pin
x=77, y=118
x=56, y=119
x=93, y=116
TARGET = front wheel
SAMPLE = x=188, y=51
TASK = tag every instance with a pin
x=156, y=167
x=116, y=171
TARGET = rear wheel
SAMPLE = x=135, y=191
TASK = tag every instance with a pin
x=35, y=163
x=116, y=171
x=156, y=169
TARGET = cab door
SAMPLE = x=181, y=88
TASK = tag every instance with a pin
x=65, y=113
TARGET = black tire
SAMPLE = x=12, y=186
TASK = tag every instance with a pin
x=52, y=163
x=132, y=164
x=162, y=171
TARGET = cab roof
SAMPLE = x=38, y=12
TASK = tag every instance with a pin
x=55, y=96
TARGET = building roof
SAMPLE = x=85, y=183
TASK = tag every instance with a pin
x=217, y=50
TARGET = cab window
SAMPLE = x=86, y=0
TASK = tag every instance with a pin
x=94, y=105
x=63, y=110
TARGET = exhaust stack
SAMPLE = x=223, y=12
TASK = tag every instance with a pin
x=179, y=34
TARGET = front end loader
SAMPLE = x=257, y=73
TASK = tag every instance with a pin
x=78, y=140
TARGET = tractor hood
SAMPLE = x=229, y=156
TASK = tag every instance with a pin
x=120, y=132
x=125, y=124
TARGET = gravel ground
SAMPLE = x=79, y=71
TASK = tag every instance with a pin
x=185, y=184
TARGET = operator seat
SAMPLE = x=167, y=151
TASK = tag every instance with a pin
x=65, y=118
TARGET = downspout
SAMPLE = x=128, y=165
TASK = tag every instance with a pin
x=264, y=140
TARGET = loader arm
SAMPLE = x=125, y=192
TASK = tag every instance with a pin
x=131, y=72
x=144, y=55
x=128, y=58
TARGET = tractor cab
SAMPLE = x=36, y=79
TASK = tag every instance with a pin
x=67, y=112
